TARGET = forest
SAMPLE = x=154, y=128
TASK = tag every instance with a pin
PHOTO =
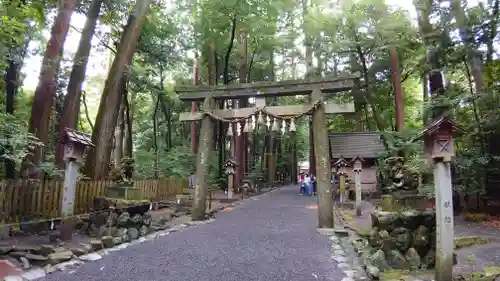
x=144, y=49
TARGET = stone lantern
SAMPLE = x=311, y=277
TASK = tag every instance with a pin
x=357, y=163
x=438, y=142
x=75, y=145
x=342, y=166
x=230, y=169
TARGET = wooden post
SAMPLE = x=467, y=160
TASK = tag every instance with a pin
x=230, y=184
x=69, y=191
x=438, y=142
x=358, y=167
x=202, y=165
x=442, y=152
x=357, y=180
x=312, y=153
x=294, y=173
x=322, y=160
x=342, y=188
x=68, y=198
x=444, y=224
x=75, y=144
x=271, y=158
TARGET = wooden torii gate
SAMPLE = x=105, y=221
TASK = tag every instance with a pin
x=318, y=108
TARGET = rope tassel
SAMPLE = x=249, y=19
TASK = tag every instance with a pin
x=275, y=125
x=292, y=127
x=261, y=118
x=238, y=128
x=246, y=128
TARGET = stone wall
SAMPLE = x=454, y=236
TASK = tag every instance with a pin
x=399, y=240
x=119, y=228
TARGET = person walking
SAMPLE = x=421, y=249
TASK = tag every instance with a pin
x=314, y=184
x=192, y=180
x=307, y=185
x=301, y=184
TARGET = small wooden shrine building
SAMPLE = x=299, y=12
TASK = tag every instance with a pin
x=366, y=145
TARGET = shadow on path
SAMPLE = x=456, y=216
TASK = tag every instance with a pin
x=268, y=238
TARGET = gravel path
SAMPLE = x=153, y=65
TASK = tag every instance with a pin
x=270, y=238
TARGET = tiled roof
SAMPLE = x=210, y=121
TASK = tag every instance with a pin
x=349, y=145
x=435, y=124
x=75, y=136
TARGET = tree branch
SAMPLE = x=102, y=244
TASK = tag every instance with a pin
x=229, y=49
x=87, y=116
x=251, y=63
x=104, y=44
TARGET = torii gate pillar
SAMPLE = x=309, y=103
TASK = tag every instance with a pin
x=322, y=161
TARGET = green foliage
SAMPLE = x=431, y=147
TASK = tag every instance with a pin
x=178, y=162
x=16, y=143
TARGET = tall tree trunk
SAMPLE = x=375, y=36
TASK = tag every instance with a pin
x=319, y=60
x=12, y=81
x=46, y=89
x=367, y=93
x=241, y=141
x=194, y=104
x=222, y=127
x=308, y=44
x=211, y=56
x=473, y=57
x=128, y=117
x=425, y=96
x=169, y=124
x=155, y=139
x=98, y=159
x=71, y=109
x=435, y=77
x=398, y=90
x=309, y=72
x=119, y=131
x=165, y=107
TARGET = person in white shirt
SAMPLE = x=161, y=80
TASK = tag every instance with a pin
x=307, y=184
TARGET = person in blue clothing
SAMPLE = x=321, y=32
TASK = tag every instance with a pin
x=308, y=185
x=314, y=184
x=305, y=186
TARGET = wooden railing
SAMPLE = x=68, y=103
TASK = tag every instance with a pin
x=22, y=200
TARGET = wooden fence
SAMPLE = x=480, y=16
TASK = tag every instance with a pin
x=22, y=200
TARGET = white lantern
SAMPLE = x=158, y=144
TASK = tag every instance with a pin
x=357, y=164
x=341, y=165
x=292, y=128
